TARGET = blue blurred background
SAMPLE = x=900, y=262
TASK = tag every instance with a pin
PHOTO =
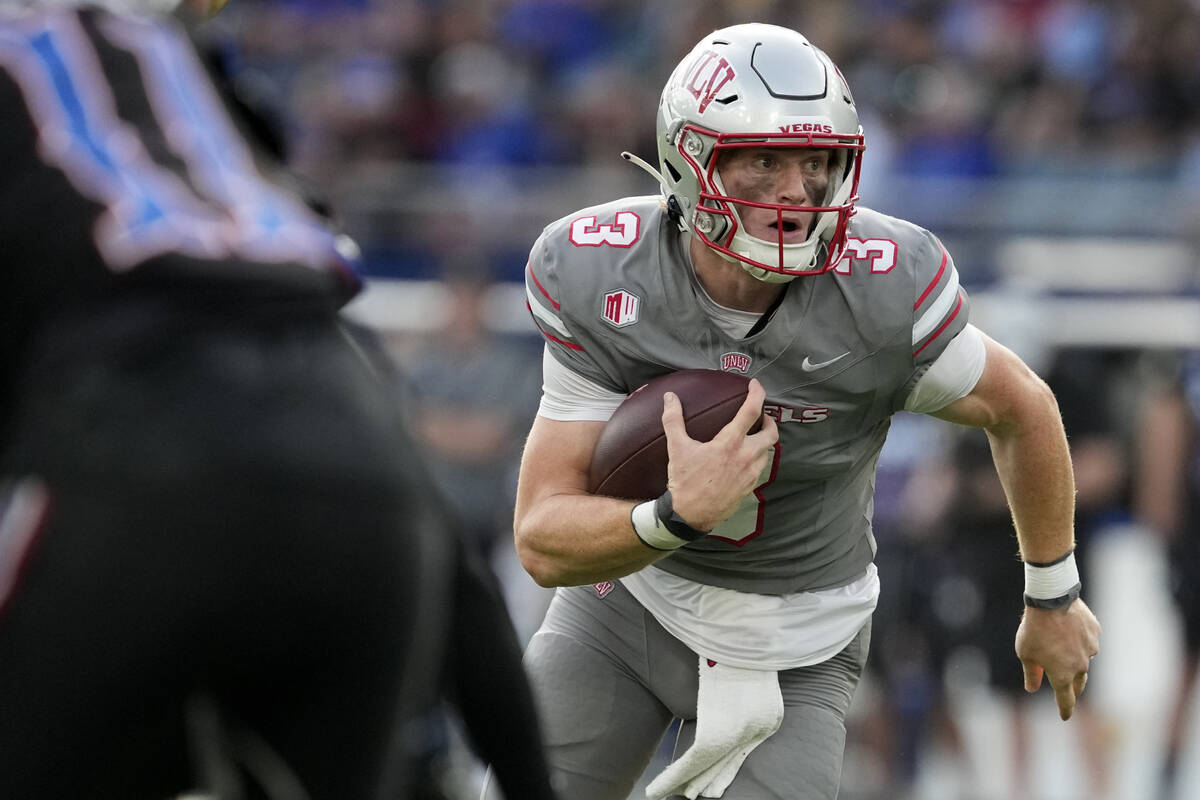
x=1054, y=145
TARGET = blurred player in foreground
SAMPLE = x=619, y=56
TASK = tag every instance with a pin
x=221, y=569
x=741, y=600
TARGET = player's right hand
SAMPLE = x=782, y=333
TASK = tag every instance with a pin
x=709, y=480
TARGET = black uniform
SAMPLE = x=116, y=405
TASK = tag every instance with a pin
x=216, y=553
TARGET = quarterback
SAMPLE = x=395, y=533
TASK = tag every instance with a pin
x=741, y=601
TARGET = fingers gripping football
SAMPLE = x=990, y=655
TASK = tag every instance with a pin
x=709, y=480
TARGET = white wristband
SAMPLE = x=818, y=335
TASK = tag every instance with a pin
x=1053, y=581
x=651, y=530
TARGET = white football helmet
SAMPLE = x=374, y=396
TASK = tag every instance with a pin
x=764, y=86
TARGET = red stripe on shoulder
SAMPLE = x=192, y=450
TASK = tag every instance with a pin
x=554, y=339
x=542, y=289
x=946, y=324
x=928, y=289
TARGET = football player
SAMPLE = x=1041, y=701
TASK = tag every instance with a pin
x=741, y=600
x=220, y=566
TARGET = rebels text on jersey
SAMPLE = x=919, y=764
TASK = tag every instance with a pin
x=612, y=290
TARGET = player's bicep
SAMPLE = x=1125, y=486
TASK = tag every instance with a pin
x=559, y=449
x=557, y=456
x=1006, y=387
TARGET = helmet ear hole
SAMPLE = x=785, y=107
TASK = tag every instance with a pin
x=670, y=170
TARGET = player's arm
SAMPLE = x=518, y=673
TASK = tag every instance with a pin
x=564, y=535
x=1020, y=415
x=568, y=537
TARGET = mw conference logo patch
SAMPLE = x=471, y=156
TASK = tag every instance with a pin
x=620, y=308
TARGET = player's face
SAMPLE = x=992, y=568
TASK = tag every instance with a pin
x=790, y=177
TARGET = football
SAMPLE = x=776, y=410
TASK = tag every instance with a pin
x=630, y=459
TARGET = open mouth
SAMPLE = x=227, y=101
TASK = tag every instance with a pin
x=790, y=231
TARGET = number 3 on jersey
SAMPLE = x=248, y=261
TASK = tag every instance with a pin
x=623, y=231
x=747, y=521
x=881, y=253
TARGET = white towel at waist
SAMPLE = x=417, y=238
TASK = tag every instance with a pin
x=736, y=710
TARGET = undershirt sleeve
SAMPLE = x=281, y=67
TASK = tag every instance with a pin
x=568, y=396
x=952, y=375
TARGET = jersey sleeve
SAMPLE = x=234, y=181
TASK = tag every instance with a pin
x=952, y=376
x=940, y=310
x=568, y=396
x=547, y=296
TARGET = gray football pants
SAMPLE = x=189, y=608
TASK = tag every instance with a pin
x=609, y=679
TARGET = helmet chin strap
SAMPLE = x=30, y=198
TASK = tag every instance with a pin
x=765, y=275
x=666, y=187
x=628, y=156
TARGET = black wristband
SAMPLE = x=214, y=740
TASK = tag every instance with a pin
x=664, y=509
x=1058, y=560
x=1055, y=603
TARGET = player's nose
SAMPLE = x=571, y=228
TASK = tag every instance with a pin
x=793, y=188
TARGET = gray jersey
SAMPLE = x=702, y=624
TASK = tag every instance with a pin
x=612, y=290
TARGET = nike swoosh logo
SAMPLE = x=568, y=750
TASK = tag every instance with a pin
x=809, y=366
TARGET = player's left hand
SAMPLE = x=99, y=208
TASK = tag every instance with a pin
x=1059, y=645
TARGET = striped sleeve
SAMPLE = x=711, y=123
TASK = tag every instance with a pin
x=549, y=300
x=547, y=311
x=940, y=309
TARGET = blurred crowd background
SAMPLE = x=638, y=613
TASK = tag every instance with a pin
x=1054, y=145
